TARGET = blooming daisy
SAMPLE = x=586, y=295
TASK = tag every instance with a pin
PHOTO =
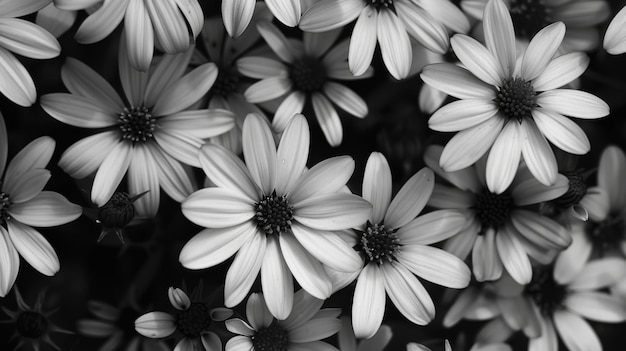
x=304, y=329
x=173, y=24
x=500, y=229
x=391, y=23
x=508, y=108
x=394, y=247
x=237, y=14
x=25, y=39
x=306, y=71
x=193, y=320
x=615, y=37
x=24, y=205
x=581, y=17
x=148, y=134
x=276, y=216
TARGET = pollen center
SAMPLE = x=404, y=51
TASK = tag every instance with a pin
x=516, y=98
x=226, y=83
x=529, y=17
x=117, y=212
x=30, y=324
x=136, y=124
x=378, y=243
x=493, y=210
x=545, y=291
x=194, y=320
x=272, y=338
x=274, y=214
x=380, y=4
x=308, y=74
x=5, y=203
x=576, y=191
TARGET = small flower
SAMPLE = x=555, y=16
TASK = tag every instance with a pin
x=615, y=37
x=304, y=329
x=391, y=23
x=511, y=109
x=147, y=135
x=278, y=218
x=24, y=204
x=500, y=230
x=307, y=71
x=115, y=215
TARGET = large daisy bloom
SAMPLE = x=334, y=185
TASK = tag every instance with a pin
x=580, y=16
x=278, y=217
x=307, y=71
x=173, y=24
x=237, y=14
x=511, y=109
x=615, y=37
x=500, y=230
x=24, y=205
x=147, y=133
x=394, y=247
x=391, y=23
x=25, y=39
x=304, y=329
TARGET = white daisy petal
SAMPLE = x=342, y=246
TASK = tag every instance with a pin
x=462, y=243
x=513, y=256
x=168, y=70
x=186, y=91
x=330, y=14
x=541, y=49
x=174, y=179
x=277, y=41
x=462, y=114
x=422, y=26
x=449, y=14
x=134, y=82
x=34, y=248
x=259, y=67
x=530, y=191
x=138, y=35
x=276, y=280
x=477, y=59
x=55, y=20
x=573, y=103
x=259, y=151
x=465, y=179
x=561, y=71
x=408, y=294
x=315, y=329
x=258, y=314
x=26, y=186
x=110, y=174
x=504, y=157
x=292, y=154
x=575, y=332
x=431, y=228
x=203, y=124
x=435, y=265
x=599, y=274
x=47, y=209
x=194, y=16
x=156, y=324
x=615, y=37
x=184, y=147
x=305, y=307
x=346, y=99
x=377, y=185
x=169, y=26
x=328, y=119
x=101, y=23
x=244, y=270
x=143, y=176
x=9, y=263
x=537, y=153
x=540, y=230
x=548, y=340
x=217, y=208
x=562, y=131
x=291, y=105
x=238, y=326
x=611, y=170
x=80, y=79
x=410, y=199
x=236, y=15
x=368, y=304
x=456, y=81
x=306, y=269
x=226, y=170
x=327, y=176
x=288, y=12
x=317, y=44
x=499, y=35
x=486, y=262
x=328, y=248
x=363, y=41
x=78, y=111
x=597, y=306
x=239, y=343
x=85, y=156
x=268, y=89
x=571, y=261
x=334, y=211
x=394, y=44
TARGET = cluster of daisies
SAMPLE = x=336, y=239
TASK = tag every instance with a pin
x=497, y=241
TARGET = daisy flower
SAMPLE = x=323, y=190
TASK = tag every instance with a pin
x=24, y=205
x=508, y=108
x=237, y=14
x=615, y=37
x=500, y=229
x=173, y=24
x=117, y=326
x=147, y=133
x=394, y=247
x=193, y=320
x=391, y=23
x=306, y=71
x=581, y=17
x=304, y=329
x=24, y=39
x=278, y=217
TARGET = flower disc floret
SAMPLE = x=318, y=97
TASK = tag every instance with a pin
x=226, y=83
x=137, y=124
x=308, y=74
x=117, y=212
x=546, y=292
x=380, y=4
x=31, y=324
x=493, y=210
x=529, y=16
x=5, y=203
x=194, y=320
x=274, y=214
x=272, y=338
x=378, y=243
x=576, y=190
x=516, y=98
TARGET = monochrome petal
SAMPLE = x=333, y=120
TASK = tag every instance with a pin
x=227, y=170
x=530, y=191
x=456, y=81
x=377, y=185
x=462, y=114
x=573, y=103
x=328, y=248
x=155, y=324
x=244, y=270
x=276, y=280
x=435, y=265
x=81, y=80
x=394, y=44
x=597, y=306
x=599, y=274
x=293, y=104
x=185, y=91
x=27, y=39
x=170, y=27
x=34, y=248
x=486, y=263
x=570, y=262
x=465, y=179
x=276, y=40
x=268, y=89
x=46, y=209
x=306, y=269
x=477, y=59
x=504, y=157
x=541, y=49
x=239, y=343
x=184, y=147
x=467, y=146
x=513, y=256
x=431, y=228
x=575, y=332
x=561, y=131
x=9, y=263
x=110, y=173
x=410, y=199
x=611, y=169
x=174, y=179
x=21, y=8
x=538, y=154
x=346, y=99
x=259, y=151
x=615, y=37
x=259, y=67
x=203, y=124
x=101, y=23
x=368, y=304
x=15, y=82
x=408, y=294
x=326, y=15
x=363, y=41
x=236, y=15
x=26, y=186
x=334, y=211
x=168, y=71
x=500, y=35
x=328, y=119
x=540, y=230
x=77, y=110
x=139, y=35
x=327, y=176
x=292, y=154
x=424, y=28
x=561, y=71
x=258, y=316
x=288, y=12
x=217, y=208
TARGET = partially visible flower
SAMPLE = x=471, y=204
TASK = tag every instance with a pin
x=193, y=320
x=581, y=17
x=348, y=341
x=57, y=21
x=23, y=38
x=307, y=71
x=173, y=24
x=32, y=325
x=117, y=326
x=509, y=109
x=391, y=23
x=615, y=37
x=24, y=205
x=279, y=218
x=115, y=215
x=500, y=230
x=147, y=133
x=394, y=245
x=237, y=14
x=303, y=329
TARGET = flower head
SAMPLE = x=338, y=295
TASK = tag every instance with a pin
x=508, y=108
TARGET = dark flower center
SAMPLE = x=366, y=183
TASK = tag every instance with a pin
x=575, y=192
x=516, y=98
x=545, y=291
x=529, y=17
x=609, y=233
x=117, y=212
x=493, y=210
x=30, y=324
x=5, y=203
x=136, y=124
x=194, y=320
x=380, y=4
x=378, y=244
x=308, y=74
x=226, y=83
x=272, y=338
x=274, y=214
